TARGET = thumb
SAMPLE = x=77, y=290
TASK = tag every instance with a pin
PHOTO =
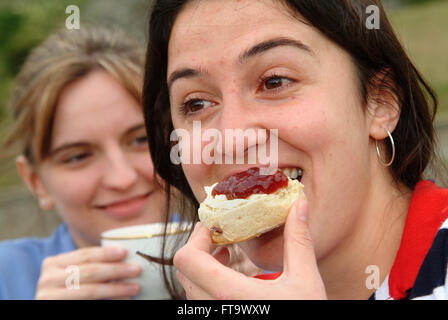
x=299, y=259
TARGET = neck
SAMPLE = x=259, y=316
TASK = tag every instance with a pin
x=356, y=268
x=80, y=241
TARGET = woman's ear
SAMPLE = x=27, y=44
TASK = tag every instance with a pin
x=383, y=106
x=34, y=183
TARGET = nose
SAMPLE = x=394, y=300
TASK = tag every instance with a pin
x=119, y=172
x=240, y=126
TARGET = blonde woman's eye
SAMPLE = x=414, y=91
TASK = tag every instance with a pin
x=76, y=158
x=140, y=140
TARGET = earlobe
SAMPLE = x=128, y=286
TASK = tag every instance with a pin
x=384, y=117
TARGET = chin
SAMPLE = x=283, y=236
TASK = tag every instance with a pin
x=266, y=251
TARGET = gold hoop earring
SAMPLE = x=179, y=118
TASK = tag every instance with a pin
x=380, y=158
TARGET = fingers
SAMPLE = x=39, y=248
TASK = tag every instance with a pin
x=213, y=276
x=203, y=276
x=192, y=291
x=201, y=238
x=87, y=255
x=98, y=291
x=91, y=273
x=299, y=257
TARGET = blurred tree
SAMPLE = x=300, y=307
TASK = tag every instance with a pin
x=23, y=25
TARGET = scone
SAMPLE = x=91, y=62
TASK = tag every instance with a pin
x=248, y=204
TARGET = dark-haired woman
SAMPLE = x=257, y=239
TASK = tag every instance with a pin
x=351, y=112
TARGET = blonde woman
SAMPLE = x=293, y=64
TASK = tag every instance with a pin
x=83, y=150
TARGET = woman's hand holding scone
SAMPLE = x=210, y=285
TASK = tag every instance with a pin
x=204, y=277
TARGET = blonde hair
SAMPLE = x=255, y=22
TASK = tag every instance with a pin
x=61, y=59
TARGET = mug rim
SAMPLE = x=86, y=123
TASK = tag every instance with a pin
x=143, y=236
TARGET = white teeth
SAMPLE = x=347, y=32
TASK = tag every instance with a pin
x=287, y=172
x=294, y=173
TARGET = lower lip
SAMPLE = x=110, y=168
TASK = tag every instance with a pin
x=127, y=209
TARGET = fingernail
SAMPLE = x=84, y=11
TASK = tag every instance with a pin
x=132, y=288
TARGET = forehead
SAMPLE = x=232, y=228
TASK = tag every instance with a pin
x=215, y=28
x=95, y=105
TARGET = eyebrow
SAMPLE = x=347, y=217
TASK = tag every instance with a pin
x=184, y=73
x=66, y=146
x=267, y=45
x=81, y=144
x=255, y=50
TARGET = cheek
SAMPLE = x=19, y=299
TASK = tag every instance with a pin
x=143, y=165
x=196, y=175
x=71, y=192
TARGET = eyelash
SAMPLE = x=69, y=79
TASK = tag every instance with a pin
x=142, y=140
x=183, y=107
x=76, y=158
x=263, y=80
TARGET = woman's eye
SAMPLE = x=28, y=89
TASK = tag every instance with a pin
x=195, y=105
x=76, y=158
x=140, y=140
x=273, y=82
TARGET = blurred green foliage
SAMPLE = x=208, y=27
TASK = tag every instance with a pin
x=423, y=30
x=23, y=25
x=417, y=1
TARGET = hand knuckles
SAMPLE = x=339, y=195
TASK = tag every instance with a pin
x=48, y=262
x=50, y=278
x=84, y=256
x=87, y=273
x=45, y=281
x=180, y=277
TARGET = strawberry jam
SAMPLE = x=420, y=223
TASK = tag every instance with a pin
x=243, y=184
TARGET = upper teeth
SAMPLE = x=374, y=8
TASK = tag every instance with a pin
x=292, y=173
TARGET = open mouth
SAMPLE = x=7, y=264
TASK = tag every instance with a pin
x=293, y=173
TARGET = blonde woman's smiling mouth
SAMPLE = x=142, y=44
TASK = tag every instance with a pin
x=125, y=208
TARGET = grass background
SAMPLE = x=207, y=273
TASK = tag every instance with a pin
x=423, y=30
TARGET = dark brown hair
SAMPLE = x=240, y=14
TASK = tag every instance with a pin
x=383, y=67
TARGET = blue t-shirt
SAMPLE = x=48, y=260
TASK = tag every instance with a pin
x=21, y=260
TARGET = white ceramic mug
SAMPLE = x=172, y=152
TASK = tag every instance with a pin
x=147, y=240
